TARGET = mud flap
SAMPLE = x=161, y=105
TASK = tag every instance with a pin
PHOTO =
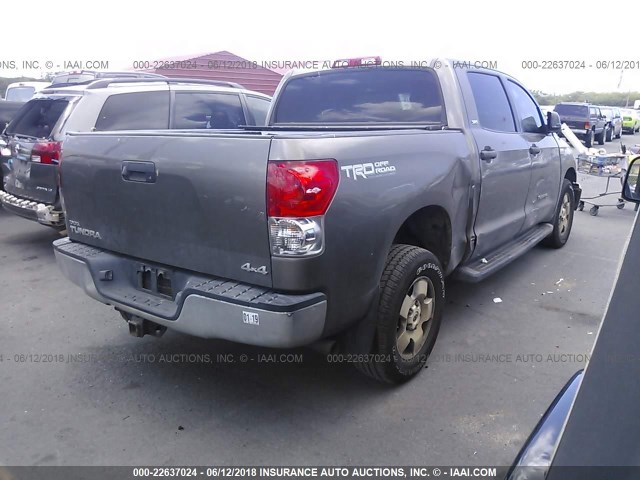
x=577, y=194
x=359, y=338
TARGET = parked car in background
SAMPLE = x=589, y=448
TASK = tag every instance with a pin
x=546, y=109
x=36, y=135
x=630, y=121
x=338, y=220
x=614, y=122
x=22, y=92
x=585, y=121
x=84, y=76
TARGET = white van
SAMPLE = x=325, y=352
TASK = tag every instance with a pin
x=23, y=91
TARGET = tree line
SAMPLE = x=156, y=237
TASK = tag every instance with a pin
x=613, y=99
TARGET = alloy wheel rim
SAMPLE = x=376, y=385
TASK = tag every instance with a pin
x=414, y=321
x=565, y=211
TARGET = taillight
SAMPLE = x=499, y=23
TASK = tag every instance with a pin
x=298, y=195
x=46, y=152
x=587, y=125
x=301, y=188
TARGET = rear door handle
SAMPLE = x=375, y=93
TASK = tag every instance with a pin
x=534, y=149
x=143, y=172
x=488, y=154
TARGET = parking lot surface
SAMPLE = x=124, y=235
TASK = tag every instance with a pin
x=78, y=390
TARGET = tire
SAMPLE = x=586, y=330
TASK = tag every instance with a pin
x=609, y=136
x=600, y=137
x=411, y=274
x=563, y=220
x=588, y=140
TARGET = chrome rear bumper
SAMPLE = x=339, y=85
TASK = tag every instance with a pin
x=40, y=212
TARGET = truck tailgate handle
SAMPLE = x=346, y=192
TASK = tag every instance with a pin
x=488, y=154
x=143, y=172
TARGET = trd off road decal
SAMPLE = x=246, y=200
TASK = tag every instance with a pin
x=367, y=170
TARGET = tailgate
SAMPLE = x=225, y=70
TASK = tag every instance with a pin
x=577, y=123
x=184, y=200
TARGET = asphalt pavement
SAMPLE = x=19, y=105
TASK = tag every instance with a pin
x=78, y=390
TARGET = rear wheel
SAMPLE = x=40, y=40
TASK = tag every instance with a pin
x=609, y=135
x=564, y=218
x=588, y=141
x=409, y=315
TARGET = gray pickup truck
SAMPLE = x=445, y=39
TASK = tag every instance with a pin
x=340, y=219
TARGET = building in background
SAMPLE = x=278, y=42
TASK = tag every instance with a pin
x=218, y=66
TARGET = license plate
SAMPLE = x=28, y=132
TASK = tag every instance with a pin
x=250, y=318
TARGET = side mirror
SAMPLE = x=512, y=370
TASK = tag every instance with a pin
x=554, y=125
x=631, y=188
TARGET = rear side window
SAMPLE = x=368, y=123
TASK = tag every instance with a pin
x=37, y=117
x=362, y=96
x=207, y=110
x=527, y=111
x=135, y=111
x=494, y=111
x=259, y=108
x=572, y=110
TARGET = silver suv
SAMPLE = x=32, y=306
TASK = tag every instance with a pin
x=36, y=135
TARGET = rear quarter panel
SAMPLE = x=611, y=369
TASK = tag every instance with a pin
x=429, y=168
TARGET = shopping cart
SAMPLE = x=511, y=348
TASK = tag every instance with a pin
x=610, y=166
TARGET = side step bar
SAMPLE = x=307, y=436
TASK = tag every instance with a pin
x=479, y=270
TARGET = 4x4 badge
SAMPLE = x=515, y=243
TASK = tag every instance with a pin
x=248, y=268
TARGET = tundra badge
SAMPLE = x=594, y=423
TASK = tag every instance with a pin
x=75, y=227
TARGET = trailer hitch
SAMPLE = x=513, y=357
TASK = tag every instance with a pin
x=139, y=327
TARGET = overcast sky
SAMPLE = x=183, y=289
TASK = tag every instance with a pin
x=509, y=33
